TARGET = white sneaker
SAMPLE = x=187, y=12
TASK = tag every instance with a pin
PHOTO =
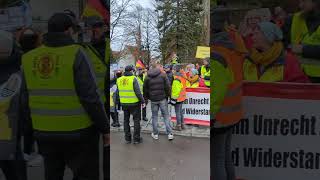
x=170, y=137
x=155, y=136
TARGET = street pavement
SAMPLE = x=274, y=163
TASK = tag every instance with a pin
x=184, y=158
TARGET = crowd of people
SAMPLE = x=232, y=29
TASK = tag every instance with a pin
x=52, y=88
x=284, y=49
x=161, y=85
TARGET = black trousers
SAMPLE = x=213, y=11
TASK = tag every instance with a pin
x=14, y=170
x=144, y=112
x=81, y=156
x=106, y=163
x=135, y=111
x=114, y=116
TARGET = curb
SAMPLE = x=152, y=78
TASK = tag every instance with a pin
x=186, y=133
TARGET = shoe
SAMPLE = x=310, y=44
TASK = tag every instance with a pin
x=113, y=124
x=145, y=119
x=138, y=141
x=177, y=127
x=183, y=127
x=155, y=136
x=128, y=141
x=170, y=137
x=34, y=160
x=117, y=125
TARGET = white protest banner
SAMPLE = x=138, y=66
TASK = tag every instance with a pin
x=279, y=137
x=196, y=107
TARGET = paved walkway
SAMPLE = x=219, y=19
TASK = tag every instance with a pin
x=184, y=158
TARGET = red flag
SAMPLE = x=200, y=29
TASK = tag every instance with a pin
x=140, y=64
x=95, y=7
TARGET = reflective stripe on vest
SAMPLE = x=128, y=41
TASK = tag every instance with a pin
x=53, y=102
x=272, y=74
x=231, y=111
x=300, y=35
x=126, y=90
x=100, y=68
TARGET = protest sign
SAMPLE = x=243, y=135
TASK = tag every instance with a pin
x=203, y=52
x=196, y=107
x=278, y=137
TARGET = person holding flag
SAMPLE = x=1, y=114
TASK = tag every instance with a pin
x=141, y=74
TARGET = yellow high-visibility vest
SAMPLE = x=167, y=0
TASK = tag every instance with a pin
x=126, y=90
x=53, y=100
x=300, y=35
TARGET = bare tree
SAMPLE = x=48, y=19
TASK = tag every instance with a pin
x=119, y=14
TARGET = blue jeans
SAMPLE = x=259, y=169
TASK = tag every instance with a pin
x=221, y=160
x=179, y=113
x=163, y=105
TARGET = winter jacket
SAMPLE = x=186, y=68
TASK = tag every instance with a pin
x=86, y=88
x=156, y=86
x=170, y=76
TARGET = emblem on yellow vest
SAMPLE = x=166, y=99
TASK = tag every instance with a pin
x=45, y=66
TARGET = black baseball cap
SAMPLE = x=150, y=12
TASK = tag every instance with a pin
x=129, y=68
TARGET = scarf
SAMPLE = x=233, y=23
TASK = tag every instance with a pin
x=193, y=79
x=268, y=57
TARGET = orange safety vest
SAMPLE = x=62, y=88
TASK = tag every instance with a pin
x=183, y=94
x=231, y=110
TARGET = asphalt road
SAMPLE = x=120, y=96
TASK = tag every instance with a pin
x=184, y=158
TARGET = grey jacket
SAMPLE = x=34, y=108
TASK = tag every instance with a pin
x=86, y=89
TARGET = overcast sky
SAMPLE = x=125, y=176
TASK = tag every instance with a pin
x=143, y=3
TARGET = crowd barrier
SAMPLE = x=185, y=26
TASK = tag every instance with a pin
x=196, y=107
x=279, y=136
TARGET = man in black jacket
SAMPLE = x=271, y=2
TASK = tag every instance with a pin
x=131, y=100
x=157, y=88
x=15, y=120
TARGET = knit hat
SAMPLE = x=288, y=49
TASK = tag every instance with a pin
x=61, y=22
x=6, y=45
x=129, y=68
x=271, y=31
x=194, y=72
